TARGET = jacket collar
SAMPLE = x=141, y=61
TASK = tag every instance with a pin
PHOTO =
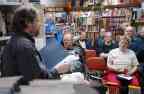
x=26, y=35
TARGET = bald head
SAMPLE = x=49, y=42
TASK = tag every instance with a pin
x=108, y=37
x=67, y=36
x=129, y=31
x=67, y=40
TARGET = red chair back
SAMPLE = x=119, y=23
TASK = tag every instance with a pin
x=90, y=53
x=96, y=63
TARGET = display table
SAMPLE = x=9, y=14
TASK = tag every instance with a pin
x=55, y=87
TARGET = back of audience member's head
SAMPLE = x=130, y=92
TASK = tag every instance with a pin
x=26, y=17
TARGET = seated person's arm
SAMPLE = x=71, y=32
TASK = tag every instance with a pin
x=134, y=69
x=134, y=65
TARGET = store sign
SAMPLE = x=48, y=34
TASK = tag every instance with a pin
x=53, y=3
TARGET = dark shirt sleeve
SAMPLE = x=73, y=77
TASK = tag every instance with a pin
x=140, y=56
x=28, y=66
x=89, y=44
x=99, y=47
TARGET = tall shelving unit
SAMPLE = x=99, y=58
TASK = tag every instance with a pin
x=123, y=15
x=111, y=22
x=7, y=10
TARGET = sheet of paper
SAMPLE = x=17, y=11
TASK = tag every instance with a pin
x=127, y=77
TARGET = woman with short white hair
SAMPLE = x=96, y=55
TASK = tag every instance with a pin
x=122, y=61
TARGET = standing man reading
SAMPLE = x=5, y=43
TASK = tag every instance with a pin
x=20, y=56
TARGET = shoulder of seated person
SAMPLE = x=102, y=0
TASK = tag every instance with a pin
x=114, y=50
x=131, y=52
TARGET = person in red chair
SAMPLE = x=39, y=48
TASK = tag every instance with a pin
x=122, y=61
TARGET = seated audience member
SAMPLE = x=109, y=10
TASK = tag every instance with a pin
x=130, y=33
x=107, y=44
x=122, y=61
x=139, y=49
x=138, y=43
x=20, y=56
x=83, y=42
x=72, y=63
x=100, y=38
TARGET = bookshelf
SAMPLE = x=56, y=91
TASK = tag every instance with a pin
x=118, y=14
x=129, y=5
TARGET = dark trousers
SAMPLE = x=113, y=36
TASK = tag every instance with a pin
x=124, y=86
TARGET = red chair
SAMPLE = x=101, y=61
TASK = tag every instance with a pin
x=96, y=63
x=89, y=53
x=95, y=67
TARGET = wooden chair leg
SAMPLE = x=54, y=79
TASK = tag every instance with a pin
x=134, y=90
x=113, y=90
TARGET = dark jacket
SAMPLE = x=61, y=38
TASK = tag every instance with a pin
x=20, y=57
x=138, y=46
x=87, y=43
x=102, y=48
